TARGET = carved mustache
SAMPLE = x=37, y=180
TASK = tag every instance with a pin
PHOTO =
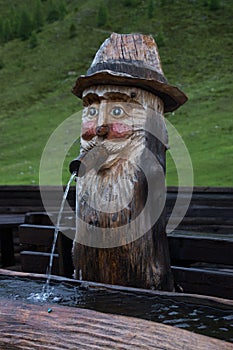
x=108, y=131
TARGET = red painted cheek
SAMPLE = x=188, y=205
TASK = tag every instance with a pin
x=119, y=130
x=88, y=130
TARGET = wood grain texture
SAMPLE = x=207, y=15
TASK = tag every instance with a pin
x=27, y=326
x=121, y=236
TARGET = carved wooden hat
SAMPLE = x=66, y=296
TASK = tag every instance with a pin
x=130, y=60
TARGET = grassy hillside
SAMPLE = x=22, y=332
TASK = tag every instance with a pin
x=195, y=44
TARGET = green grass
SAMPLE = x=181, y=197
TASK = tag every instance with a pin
x=196, y=54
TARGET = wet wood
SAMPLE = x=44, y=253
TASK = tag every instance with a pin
x=178, y=296
x=27, y=326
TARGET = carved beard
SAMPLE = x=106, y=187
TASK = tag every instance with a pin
x=108, y=193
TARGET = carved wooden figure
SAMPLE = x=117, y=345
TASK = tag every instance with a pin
x=120, y=237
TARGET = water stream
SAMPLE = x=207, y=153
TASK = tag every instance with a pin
x=47, y=291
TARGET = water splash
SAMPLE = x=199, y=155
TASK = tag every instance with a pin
x=47, y=291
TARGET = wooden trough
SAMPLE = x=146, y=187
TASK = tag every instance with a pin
x=30, y=326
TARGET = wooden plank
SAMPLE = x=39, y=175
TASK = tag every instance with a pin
x=36, y=234
x=201, y=189
x=201, y=281
x=29, y=326
x=201, y=196
x=40, y=238
x=41, y=235
x=64, y=247
x=7, y=247
x=50, y=219
x=207, y=211
x=7, y=220
x=22, y=199
x=38, y=218
x=7, y=224
x=38, y=262
x=27, y=202
x=20, y=209
x=213, y=197
x=218, y=229
x=207, y=220
x=184, y=247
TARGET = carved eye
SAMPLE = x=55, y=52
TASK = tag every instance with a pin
x=117, y=112
x=93, y=112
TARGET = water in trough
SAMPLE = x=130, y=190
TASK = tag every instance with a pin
x=213, y=319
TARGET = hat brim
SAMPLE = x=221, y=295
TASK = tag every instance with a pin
x=171, y=95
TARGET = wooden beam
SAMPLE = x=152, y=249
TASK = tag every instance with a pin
x=199, y=247
x=36, y=235
x=204, y=281
x=7, y=247
x=38, y=262
x=29, y=326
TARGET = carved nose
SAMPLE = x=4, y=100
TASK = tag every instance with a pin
x=102, y=130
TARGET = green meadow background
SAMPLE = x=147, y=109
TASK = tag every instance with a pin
x=45, y=45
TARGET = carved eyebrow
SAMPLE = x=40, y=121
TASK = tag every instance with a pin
x=117, y=96
x=113, y=96
x=91, y=98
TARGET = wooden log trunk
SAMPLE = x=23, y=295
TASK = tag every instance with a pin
x=28, y=326
x=121, y=235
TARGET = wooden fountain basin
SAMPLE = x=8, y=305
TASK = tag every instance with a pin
x=31, y=326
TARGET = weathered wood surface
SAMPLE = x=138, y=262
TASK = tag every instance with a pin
x=186, y=250
x=204, y=281
x=32, y=261
x=28, y=326
x=113, y=201
x=36, y=244
x=188, y=247
x=23, y=199
x=8, y=223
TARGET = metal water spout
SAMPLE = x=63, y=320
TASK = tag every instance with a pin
x=94, y=159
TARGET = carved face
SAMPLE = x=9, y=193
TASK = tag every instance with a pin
x=113, y=116
x=117, y=120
